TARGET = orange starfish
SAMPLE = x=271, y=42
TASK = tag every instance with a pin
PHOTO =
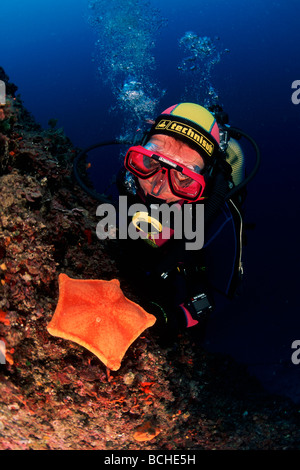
x=97, y=315
x=3, y=318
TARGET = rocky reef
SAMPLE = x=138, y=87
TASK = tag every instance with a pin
x=55, y=394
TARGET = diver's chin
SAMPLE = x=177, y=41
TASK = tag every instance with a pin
x=151, y=199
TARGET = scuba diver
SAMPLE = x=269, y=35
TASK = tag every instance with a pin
x=189, y=159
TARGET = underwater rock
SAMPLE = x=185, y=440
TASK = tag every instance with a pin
x=145, y=432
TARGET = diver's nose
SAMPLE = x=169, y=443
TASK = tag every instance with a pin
x=159, y=182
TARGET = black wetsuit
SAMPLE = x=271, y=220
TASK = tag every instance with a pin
x=167, y=277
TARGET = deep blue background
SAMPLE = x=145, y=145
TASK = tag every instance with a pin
x=47, y=48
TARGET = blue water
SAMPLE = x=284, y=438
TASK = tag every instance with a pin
x=47, y=49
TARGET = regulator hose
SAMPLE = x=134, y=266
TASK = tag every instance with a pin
x=94, y=194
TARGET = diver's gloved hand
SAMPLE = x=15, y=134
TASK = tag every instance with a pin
x=179, y=303
x=166, y=328
x=171, y=321
x=162, y=300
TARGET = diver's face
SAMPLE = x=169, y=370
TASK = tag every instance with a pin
x=158, y=184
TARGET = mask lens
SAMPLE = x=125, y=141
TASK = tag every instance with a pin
x=184, y=186
x=141, y=164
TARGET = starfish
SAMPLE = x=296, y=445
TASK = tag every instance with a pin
x=97, y=315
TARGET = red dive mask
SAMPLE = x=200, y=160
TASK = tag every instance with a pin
x=184, y=182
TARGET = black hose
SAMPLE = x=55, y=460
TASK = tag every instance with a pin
x=217, y=197
x=94, y=194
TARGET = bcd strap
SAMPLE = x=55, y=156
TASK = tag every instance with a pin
x=220, y=187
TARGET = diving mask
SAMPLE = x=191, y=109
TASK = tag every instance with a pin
x=184, y=182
